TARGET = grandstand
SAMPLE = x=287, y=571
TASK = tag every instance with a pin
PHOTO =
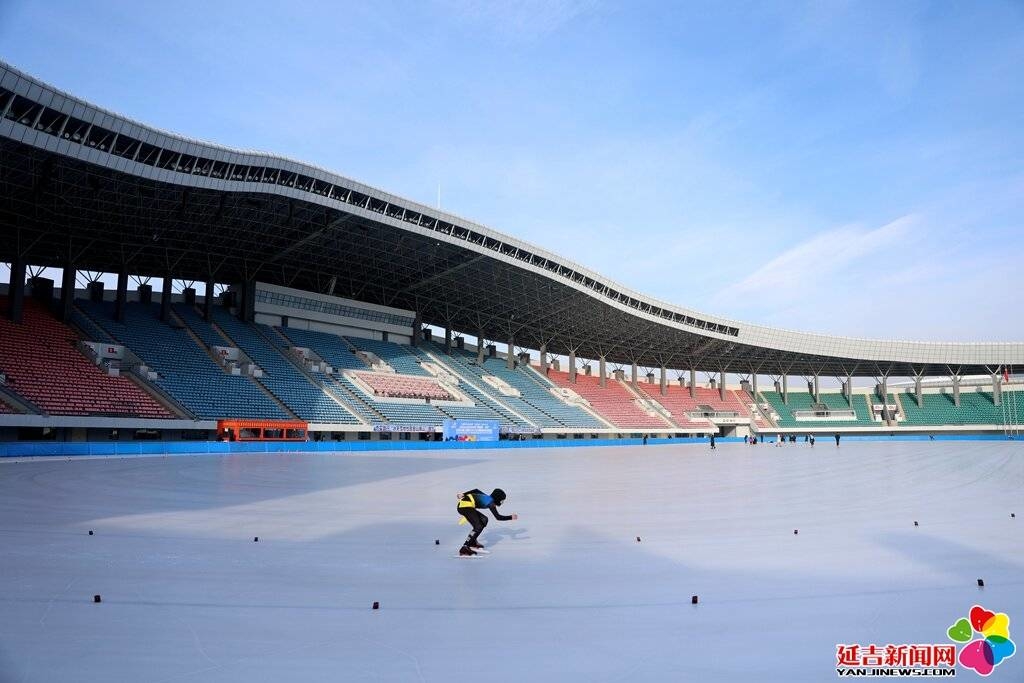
x=976, y=408
x=301, y=394
x=704, y=408
x=43, y=368
x=186, y=371
x=535, y=401
x=332, y=348
x=404, y=386
x=277, y=242
x=399, y=358
x=614, y=402
x=842, y=414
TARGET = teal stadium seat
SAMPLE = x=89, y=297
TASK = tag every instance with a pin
x=800, y=400
x=186, y=371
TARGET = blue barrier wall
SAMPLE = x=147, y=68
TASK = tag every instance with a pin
x=33, y=449
x=22, y=449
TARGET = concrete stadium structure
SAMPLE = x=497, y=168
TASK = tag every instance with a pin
x=84, y=189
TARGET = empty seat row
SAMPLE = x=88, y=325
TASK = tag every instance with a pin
x=535, y=402
x=42, y=363
x=976, y=408
x=613, y=401
x=309, y=401
x=185, y=370
x=399, y=386
x=332, y=348
x=399, y=356
x=802, y=400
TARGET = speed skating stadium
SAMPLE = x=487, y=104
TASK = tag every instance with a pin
x=238, y=393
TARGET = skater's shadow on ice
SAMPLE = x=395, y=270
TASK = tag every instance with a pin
x=496, y=536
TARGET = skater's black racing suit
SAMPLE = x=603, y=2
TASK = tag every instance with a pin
x=478, y=500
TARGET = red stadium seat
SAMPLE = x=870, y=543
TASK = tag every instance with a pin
x=43, y=366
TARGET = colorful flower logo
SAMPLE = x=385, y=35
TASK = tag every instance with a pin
x=986, y=653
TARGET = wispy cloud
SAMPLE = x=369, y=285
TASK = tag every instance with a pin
x=830, y=251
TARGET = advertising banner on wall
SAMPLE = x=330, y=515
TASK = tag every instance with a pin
x=519, y=429
x=471, y=430
x=403, y=428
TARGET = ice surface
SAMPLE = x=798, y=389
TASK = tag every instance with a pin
x=566, y=594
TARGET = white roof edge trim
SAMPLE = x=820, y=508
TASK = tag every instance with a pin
x=781, y=339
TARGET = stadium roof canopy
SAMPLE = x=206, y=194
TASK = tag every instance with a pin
x=80, y=185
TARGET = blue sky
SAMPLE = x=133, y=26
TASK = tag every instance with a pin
x=848, y=168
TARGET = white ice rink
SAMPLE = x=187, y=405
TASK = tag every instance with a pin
x=567, y=594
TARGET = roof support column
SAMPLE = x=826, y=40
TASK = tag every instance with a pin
x=165, y=298
x=997, y=389
x=42, y=288
x=664, y=381
x=208, y=300
x=956, y=389
x=633, y=375
x=417, y=323
x=448, y=340
x=785, y=389
x=122, y=295
x=510, y=357
x=721, y=384
x=67, y=291
x=250, y=300
x=480, y=347
x=849, y=389
x=602, y=371
x=693, y=383
x=817, y=388
x=16, y=291
x=917, y=392
x=544, y=359
x=753, y=386
x=884, y=386
x=572, y=366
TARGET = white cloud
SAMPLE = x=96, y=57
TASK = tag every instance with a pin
x=828, y=252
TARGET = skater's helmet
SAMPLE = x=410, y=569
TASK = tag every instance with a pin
x=498, y=496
